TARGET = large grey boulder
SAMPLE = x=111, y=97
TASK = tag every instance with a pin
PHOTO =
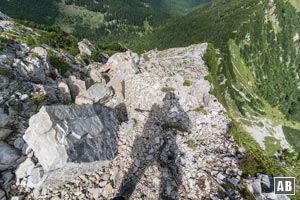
x=97, y=92
x=72, y=140
x=8, y=156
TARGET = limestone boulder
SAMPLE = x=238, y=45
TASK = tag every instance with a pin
x=96, y=93
x=71, y=140
x=85, y=47
x=76, y=86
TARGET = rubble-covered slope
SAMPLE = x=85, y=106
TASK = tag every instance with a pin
x=144, y=126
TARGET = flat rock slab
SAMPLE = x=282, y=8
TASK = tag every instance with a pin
x=72, y=140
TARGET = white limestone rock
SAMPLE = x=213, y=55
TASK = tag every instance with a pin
x=71, y=140
x=85, y=47
x=97, y=92
x=76, y=86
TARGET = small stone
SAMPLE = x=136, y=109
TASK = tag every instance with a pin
x=44, y=191
x=102, y=184
x=107, y=192
x=65, y=92
x=4, y=118
x=24, y=97
x=105, y=177
x=85, y=47
x=19, y=143
x=95, y=192
x=221, y=176
x=17, y=198
x=240, y=187
x=2, y=194
x=24, y=169
x=96, y=93
x=8, y=156
x=234, y=181
x=149, y=157
x=7, y=176
x=114, y=176
x=36, y=193
x=76, y=86
x=4, y=133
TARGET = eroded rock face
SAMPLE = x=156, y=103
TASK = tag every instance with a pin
x=70, y=140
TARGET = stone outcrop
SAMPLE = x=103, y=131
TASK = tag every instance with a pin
x=4, y=16
x=32, y=66
x=85, y=47
x=72, y=140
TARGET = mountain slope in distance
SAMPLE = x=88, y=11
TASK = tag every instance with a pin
x=106, y=20
x=257, y=80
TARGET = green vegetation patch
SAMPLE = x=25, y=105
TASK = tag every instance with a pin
x=272, y=145
x=111, y=48
x=191, y=144
x=167, y=89
x=38, y=98
x=293, y=137
x=59, y=64
x=201, y=110
x=5, y=72
x=256, y=159
x=187, y=83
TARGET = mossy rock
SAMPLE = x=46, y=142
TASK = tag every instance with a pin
x=167, y=89
x=187, y=83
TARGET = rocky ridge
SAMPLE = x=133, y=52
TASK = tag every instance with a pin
x=164, y=135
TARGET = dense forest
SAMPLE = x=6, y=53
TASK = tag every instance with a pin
x=105, y=20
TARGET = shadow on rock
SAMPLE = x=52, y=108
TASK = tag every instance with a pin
x=158, y=145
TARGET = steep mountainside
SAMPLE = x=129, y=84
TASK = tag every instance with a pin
x=105, y=20
x=257, y=79
x=172, y=107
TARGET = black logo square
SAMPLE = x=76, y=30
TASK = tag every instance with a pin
x=284, y=185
